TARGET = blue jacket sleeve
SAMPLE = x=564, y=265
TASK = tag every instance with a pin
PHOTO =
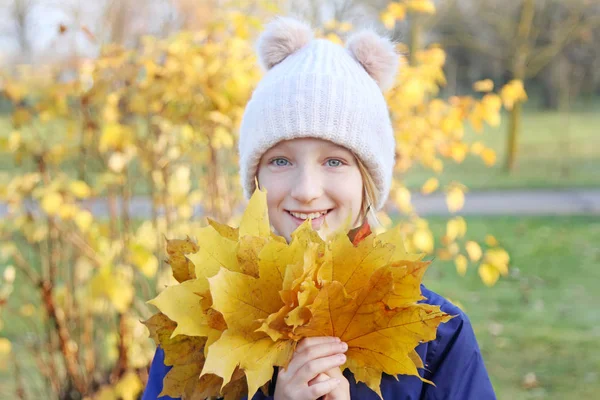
x=157, y=373
x=455, y=361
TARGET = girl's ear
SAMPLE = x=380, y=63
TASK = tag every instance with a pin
x=282, y=37
x=377, y=55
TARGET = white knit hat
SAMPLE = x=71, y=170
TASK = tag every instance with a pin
x=316, y=88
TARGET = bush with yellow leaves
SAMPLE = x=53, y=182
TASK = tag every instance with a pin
x=161, y=121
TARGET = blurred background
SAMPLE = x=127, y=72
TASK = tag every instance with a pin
x=118, y=128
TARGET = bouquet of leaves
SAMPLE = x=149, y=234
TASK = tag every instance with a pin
x=246, y=297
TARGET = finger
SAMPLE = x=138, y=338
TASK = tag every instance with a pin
x=319, y=378
x=314, y=352
x=315, y=367
x=335, y=373
x=312, y=341
x=322, y=388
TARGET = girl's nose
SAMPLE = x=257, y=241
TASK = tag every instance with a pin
x=307, y=186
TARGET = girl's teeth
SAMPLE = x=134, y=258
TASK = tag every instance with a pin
x=306, y=216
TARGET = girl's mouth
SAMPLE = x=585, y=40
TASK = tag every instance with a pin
x=317, y=217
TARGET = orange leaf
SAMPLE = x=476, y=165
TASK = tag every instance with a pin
x=356, y=235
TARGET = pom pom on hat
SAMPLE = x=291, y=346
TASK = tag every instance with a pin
x=377, y=55
x=282, y=37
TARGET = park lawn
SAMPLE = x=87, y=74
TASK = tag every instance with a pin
x=544, y=317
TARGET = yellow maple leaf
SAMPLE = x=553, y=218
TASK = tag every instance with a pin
x=379, y=339
x=182, y=304
x=186, y=356
x=245, y=300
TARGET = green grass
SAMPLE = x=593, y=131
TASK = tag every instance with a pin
x=556, y=150
x=543, y=318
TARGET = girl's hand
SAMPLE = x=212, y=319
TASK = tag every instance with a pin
x=341, y=392
x=313, y=357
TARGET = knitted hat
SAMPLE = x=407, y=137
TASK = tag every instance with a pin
x=316, y=88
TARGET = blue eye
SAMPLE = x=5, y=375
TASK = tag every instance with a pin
x=334, y=163
x=280, y=162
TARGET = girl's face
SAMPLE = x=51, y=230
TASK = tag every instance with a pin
x=310, y=178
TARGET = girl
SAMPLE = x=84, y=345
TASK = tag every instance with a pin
x=317, y=136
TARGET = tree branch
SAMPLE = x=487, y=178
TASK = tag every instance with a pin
x=568, y=34
x=470, y=42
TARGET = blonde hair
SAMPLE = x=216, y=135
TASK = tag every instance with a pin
x=370, y=195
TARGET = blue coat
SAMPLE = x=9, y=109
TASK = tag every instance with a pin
x=452, y=361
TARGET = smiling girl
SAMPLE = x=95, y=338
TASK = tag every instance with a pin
x=317, y=136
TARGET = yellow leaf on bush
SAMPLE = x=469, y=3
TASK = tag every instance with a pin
x=430, y=186
x=335, y=38
x=486, y=85
x=499, y=258
x=388, y=20
x=489, y=275
x=129, y=386
x=110, y=284
x=20, y=117
x=222, y=138
x=80, y=189
x=489, y=157
x=491, y=241
x=461, y=263
x=51, y=203
x=456, y=228
x=394, y=12
x=114, y=137
x=455, y=199
x=421, y=6
x=473, y=250
x=5, y=346
x=345, y=26
x=143, y=259
x=83, y=219
x=477, y=148
x=402, y=197
x=459, y=151
x=423, y=240
x=513, y=92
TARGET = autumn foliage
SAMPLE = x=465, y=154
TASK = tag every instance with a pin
x=250, y=297
x=160, y=122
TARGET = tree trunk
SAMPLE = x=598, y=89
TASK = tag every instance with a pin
x=415, y=37
x=519, y=65
x=514, y=126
